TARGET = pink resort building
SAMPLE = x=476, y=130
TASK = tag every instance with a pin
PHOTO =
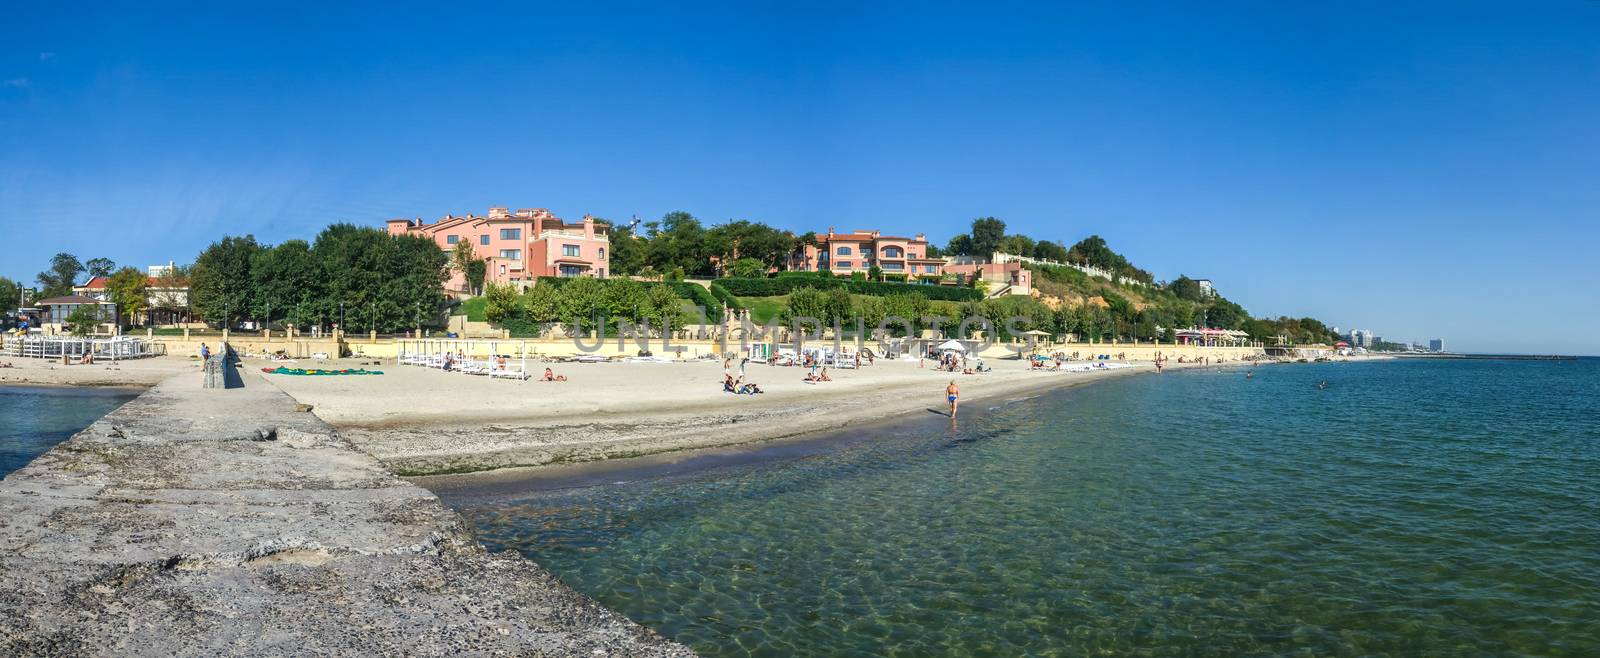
x=519, y=246
x=846, y=253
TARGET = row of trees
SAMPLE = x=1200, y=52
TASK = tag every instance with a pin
x=360, y=275
x=588, y=302
x=988, y=235
x=680, y=245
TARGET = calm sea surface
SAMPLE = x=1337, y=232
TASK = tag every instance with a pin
x=34, y=419
x=1411, y=508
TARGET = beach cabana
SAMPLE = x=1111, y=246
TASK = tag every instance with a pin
x=952, y=345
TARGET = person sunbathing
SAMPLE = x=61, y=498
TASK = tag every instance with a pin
x=824, y=376
x=551, y=376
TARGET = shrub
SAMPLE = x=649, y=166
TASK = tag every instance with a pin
x=699, y=296
x=722, y=295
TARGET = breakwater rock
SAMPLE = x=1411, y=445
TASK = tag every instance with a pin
x=215, y=522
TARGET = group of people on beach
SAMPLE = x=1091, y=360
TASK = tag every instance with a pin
x=952, y=361
x=736, y=383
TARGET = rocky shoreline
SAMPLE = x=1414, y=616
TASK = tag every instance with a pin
x=232, y=522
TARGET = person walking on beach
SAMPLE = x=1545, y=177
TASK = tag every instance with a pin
x=953, y=396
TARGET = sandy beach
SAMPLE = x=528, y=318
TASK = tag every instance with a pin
x=422, y=421
x=138, y=373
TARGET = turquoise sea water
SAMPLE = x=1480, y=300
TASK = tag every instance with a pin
x=34, y=419
x=1411, y=508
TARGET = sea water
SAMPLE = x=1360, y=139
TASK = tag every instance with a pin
x=34, y=419
x=1408, y=508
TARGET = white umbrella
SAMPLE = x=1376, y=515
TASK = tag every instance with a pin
x=953, y=344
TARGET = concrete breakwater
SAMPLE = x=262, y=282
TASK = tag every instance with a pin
x=232, y=522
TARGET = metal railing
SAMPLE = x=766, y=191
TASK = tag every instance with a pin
x=56, y=347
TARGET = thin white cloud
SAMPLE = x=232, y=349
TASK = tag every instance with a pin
x=45, y=57
x=19, y=83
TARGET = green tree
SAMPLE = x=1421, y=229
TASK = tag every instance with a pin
x=987, y=233
x=61, y=277
x=661, y=307
x=284, y=282
x=807, y=302
x=1017, y=244
x=1187, y=289
x=541, y=303
x=84, y=319
x=911, y=307
x=1048, y=250
x=742, y=239
x=128, y=288
x=581, y=300
x=476, y=271
x=1145, y=328
x=748, y=267
x=10, y=295
x=221, y=286
x=377, y=280
x=959, y=245
x=500, y=301
x=628, y=249
x=678, y=242
x=875, y=273
x=462, y=256
x=98, y=267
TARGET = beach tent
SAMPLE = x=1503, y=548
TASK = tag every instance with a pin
x=953, y=344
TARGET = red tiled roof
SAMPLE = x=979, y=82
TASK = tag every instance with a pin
x=69, y=299
x=99, y=282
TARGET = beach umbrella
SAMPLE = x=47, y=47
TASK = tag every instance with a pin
x=953, y=344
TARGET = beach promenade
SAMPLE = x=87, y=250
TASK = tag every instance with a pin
x=232, y=522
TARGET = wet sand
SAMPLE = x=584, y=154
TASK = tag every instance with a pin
x=421, y=421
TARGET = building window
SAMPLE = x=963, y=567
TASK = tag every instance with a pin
x=484, y=239
x=842, y=251
x=892, y=266
x=601, y=272
x=602, y=255
x=892, y=252
x=843, y=265
x=569, y=250
x=511, y=234
x=452, y=239
x=571, y=270
x=511, y=254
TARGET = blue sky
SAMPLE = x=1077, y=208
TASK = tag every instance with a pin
x=1419, y=169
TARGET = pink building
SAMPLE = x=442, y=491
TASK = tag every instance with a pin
x=1013, y=274
x=519, y=246
x=846, y=253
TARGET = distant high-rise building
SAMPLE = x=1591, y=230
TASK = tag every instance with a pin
x=1206, y=287
x=1361, y=338
x=1436, y=345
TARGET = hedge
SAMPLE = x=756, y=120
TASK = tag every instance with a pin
x=724, y=296
x=696, y=293
x=786, y=285
x=693, y=292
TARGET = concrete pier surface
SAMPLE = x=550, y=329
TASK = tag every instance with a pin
x=233, y=522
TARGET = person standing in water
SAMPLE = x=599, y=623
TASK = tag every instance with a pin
x=953, y=395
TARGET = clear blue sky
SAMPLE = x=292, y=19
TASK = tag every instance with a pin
x=1421, y=170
